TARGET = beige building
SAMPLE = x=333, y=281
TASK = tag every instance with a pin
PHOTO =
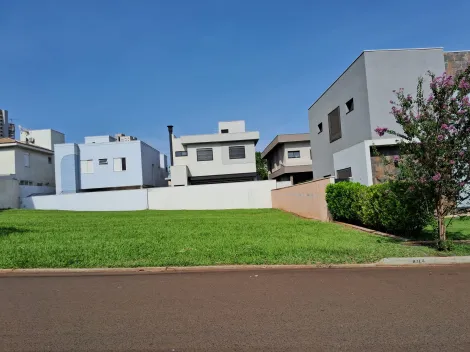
x=226, y=156
x=289, y=158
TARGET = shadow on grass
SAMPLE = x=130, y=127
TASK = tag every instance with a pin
x=10, y=230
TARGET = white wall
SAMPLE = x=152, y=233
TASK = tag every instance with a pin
x=9, y=193
x=356, y=158
x=39, y=170
x=43, y=138
x=238, y=195
x=7, y=161
x=303, y=147
x=26, y=191
x=94, y=201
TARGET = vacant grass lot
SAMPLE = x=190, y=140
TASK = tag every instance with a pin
x=33, y=239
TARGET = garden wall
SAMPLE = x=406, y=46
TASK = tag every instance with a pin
x=305, y=199
x=9, y=192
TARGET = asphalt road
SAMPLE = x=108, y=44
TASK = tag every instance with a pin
x=402, y=309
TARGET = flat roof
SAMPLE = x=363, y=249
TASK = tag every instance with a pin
x=220, y=137
x=285, y=138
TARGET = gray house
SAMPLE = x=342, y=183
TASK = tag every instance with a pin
x=343, y=119
x=289, y=158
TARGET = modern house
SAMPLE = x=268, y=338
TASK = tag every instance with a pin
x=343, y=119
x=108, y=163
x=289, y=158
x=30, y=160
x=226, y=156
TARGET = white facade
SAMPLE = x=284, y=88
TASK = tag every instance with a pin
x=223, y=157
x=42, y=138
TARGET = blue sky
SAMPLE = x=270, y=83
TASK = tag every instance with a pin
x=108, y=66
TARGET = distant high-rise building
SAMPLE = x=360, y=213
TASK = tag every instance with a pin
x=7, y=130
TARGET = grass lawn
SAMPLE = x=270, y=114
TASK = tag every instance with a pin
x=34, y=239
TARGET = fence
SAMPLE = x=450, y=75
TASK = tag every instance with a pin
x=305, y=199
x=9, y=192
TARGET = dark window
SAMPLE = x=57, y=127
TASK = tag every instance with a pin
x=349, y=105
x=204, y=154
x=310, y=153
x=344, y=173
x=184, y=153
x=320, y=127
x=124, y=166
x=293, y=154
x=334, y=123
x=102, y=161
x=49, y=159
x=236, y=152
x=224, y=131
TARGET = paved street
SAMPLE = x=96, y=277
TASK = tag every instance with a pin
x=412, y=309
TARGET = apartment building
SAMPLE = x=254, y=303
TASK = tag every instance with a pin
x=7, y=130
x=30, y=160
x=289, y=158
x=226, y=156
x=108, y=163
x=343, y=119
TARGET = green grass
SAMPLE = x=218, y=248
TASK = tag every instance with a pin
x=40, y=239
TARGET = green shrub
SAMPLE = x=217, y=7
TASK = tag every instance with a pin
x=344, y=201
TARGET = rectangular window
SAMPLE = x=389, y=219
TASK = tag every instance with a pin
x=49, y=160
x=334, y=123
x=344, y=173
x=120, y=164
x=236, y=152
x=310, y=153
x=349, y=106
x=26, y=159
x=102, y=161
x=293, y=154
x=224, y=131
x=204, y=154
x=183, y=153
x=320, y=127
x=86, y=166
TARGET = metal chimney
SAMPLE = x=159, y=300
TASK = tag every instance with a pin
x=170, y=133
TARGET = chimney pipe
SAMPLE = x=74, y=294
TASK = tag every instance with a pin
x=170, y=133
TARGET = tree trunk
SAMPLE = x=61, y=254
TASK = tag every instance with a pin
x=441, y=227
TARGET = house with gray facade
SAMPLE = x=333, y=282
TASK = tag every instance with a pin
x=289, y=158
x=225, y=156
x=108, y=163
x=344, y=118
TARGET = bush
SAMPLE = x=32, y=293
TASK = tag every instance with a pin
x=344, y=201
x=390, y=207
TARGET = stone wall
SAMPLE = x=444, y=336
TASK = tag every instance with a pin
x=380, y=171
x=456, y=62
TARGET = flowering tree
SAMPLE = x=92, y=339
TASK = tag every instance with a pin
x=435, y=143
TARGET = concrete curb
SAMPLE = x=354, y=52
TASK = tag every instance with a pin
x=384, y=263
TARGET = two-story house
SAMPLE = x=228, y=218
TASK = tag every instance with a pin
x=289, y=158
x=226, y=156
x=344, y=118
x=108, y=163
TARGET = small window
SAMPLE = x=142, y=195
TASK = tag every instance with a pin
x=26, y=159
x=39, y=184
x=183, y=153
x=320, y=127
x=334, y=123
x=236, y=152
x=293, y=154
x=344, y=173
x=86, y=166
x=349, y=106
x=310, y=153
x=49, y=160
x=204, y=154
x=224, y=131
x=103, y=161
x=120, y=164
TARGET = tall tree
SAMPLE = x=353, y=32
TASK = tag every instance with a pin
x=261, y=167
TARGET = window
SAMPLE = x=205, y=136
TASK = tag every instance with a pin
x=310, y=153
x=26, y=159
x=349, y=105
x=120, y=164
x=293, y=154
x=224, y=131
x=204, y=154
x=183, y=153
x=39, y=184
x=236, y=152
x=86, y=166
x=49, y=160
x=334, y=123
x=320, y=127
x=102, y=161
x=344, y=173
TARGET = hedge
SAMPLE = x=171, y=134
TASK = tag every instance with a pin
x=388, y=207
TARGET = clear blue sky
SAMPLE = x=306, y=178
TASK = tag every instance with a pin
x=107, y=66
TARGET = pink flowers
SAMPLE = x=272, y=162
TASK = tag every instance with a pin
x=461, y=153
x=452, y=162
x=464, y=84
x=440, y=138
x=396, y=158
x=409, y=97
x=444, y=126
x=436, y=177
x=417, y=117
x=465, y=101
x=461, y=184
x=381, y=130
x=430, y=98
